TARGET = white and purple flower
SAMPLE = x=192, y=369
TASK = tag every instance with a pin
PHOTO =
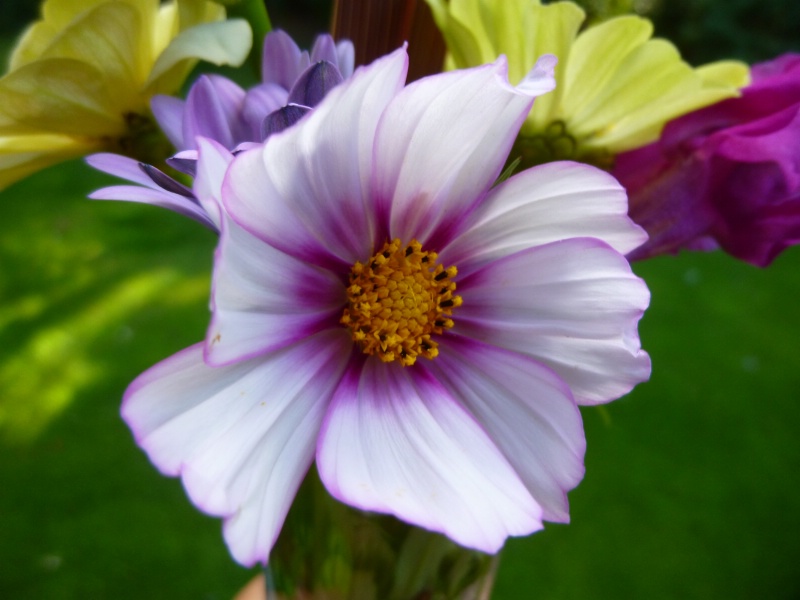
x=378, y=306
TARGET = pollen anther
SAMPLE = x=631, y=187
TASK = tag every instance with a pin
x=397, y=300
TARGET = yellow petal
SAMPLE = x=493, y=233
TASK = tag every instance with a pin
x=725, y=73
x=58, y=95
x=596, y=57
x=22, y=155
x=222, y=43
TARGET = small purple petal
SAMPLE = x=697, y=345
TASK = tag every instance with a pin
x=187, y=166
x=168, y=112
x=213, y=110
x=282, y=118
x=314, y=84
x=282, y=59
x=259, y=101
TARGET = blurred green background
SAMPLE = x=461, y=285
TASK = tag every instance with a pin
x=690, y=489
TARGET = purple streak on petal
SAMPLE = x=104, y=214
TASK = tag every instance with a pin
x=526, y=410
x=213, y=110
x=282, y=60
x=168, y=112
x=241, y=437
x=314, y=84
x=396, y=441
x=572, y=305
x=440, y=145
x=260, y=101
x=264, y=299
x=282, y=118
x=306, y=193
x=166, y=182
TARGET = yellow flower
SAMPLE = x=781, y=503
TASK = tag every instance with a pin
x=80, y=79
x=616, y=87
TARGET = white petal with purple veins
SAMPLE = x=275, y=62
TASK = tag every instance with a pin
x=395, y=441
x=241, y=437
x=264, y=299
x=572, y=305
x=545, y=204
x=440, y=144
x=526, y=410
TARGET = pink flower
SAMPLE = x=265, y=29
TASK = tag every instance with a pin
x=727, y=175
x=378, y=306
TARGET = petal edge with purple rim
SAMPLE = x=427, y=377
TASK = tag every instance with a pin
x=544, y=204
x=395, y=441
x=263, y=299
x=241, y=437
x=440, y=145
x=306, y=192
x=572, y=305
x=527, y=411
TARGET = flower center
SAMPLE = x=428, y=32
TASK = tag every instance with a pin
x=397, y=300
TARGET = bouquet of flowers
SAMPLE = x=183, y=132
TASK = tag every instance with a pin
x=423, y=232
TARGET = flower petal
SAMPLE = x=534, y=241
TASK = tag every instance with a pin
x=395, y=441
x=168, y=112
x=241, y=437
x=572, y=305
x=264, y=299
x=221, y=43
x=213, y=110
x=442, y=142
x=282, y=60
x=212, y=164
x=305, y=192
x=526, y=410
x=544, y=204
x=150, y=193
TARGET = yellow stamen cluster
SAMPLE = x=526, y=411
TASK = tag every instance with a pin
x=397, y=300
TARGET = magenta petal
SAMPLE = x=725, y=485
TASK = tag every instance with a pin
x=440, y=145
x=241, y=437
x=572, y=305
x=259, y=102
x=263, y=299
x=526, y=410
x=395, y=441
x=306, y=192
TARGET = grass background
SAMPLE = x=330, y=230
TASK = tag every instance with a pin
x=690, y=489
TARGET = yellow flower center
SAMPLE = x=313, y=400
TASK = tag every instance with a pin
x=397, y=300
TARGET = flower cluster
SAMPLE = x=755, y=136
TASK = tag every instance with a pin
x=388, y=303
